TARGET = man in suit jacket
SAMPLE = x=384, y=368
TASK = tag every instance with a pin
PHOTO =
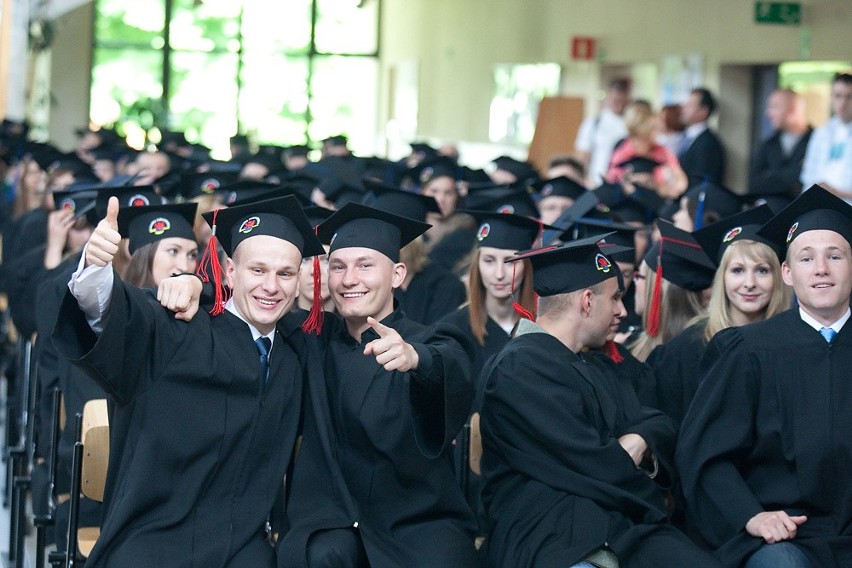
x=701, y=154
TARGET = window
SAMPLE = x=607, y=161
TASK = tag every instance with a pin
x=282, y=72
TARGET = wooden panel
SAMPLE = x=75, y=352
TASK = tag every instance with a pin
x=556, y=127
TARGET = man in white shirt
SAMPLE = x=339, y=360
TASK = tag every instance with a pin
x=599, y=133
x=828, y=159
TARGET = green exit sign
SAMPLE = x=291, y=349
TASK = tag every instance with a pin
x=784, y=13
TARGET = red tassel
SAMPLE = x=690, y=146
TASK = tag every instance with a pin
x=519, y=309
x=614, y=353
x=208, y=266
x=654, y=309
x=313, y=323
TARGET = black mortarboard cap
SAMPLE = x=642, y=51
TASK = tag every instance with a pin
x=128, y=196
x=336, y=140
x=568, y=267
x=505, y=230
x=620, y=235
x=683, y=261
x=584, y=206
x=317, y=215
x=340, y=192
x=501, y=199
x=716, y=198
x=146, y=225
x=400, y=202
x=357, y=225
x=522, y=170
x=271, y=161
x=641, y=206
x=282, y=218
x=246, y=188
x=814, y=209
x=206, y=183
x=475, y=176
x=280, y=191
x=80, y=203
x=561, y=186
x=422, y=148
x=716, y=237
x=434, y=167
x=640, y=165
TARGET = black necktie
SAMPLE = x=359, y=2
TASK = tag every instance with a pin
x=263, y=347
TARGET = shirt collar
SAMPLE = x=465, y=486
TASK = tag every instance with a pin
x=692, y=132
x=255, y=333
x=836, y=326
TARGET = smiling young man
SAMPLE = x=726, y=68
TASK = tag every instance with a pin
x=764, y=452
x=570, y=458
x=373, y=483
x=204, y=412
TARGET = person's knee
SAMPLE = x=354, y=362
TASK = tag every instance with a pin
x=779, y=555
x=338, y=548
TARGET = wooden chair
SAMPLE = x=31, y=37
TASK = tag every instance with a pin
x=88, y=478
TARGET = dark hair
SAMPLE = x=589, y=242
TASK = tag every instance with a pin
x=565, y=160
x=138, y=272
x=842, y=77
x=621, y=84
x=476, y=297
x=671, y=118
x=707, y=101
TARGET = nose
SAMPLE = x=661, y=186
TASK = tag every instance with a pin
x=500, y=271
x=182, y=264
x=349, y=279
x=820, y=265
x=620, y=310
x=749, y=279
x=270, y=282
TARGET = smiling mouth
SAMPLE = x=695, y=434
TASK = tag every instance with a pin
x=353, y=295
x=821, y=286
x=267, y=303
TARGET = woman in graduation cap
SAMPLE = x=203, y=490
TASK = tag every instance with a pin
x=670, y=286
x=641, y=160
x=747, y=287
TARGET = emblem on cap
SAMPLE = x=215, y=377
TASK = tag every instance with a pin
x=159, y=226
x=210, y=185
x=483, y=231
x=791, y=231
x=602, y=208
x=138, y=200
x=547, y=190
x=426, y=174
x=506, y=209
x=68, y=204
x=231, y=197
x=730, y=235
x=249, y=225
x=602, y=263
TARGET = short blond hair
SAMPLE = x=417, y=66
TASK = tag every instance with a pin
x=639, y=119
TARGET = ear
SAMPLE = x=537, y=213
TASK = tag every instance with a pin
x=586, y=302
x=786, y=274
x=230, y=270
x=399, y=272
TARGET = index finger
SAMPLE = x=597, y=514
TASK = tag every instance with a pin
x=379, y=328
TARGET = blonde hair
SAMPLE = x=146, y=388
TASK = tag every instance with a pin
x=678, y=306
x=718, y=316
x=639, y=119
x=476, y=297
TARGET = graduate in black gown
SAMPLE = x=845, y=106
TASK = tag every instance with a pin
x=205, y=412
x=571, y=459
x=764, y=452
x=747, y=287
x=429, y=290
x=373, y=483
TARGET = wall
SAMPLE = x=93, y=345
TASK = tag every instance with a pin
x=456, y=43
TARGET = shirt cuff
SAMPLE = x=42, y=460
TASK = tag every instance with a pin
x=92, y=287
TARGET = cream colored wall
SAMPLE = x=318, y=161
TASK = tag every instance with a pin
x=70, y=78
x=457, y=42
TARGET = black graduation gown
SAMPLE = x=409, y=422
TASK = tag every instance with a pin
x=557, y=483
x=677, y=370
x=495, y=339
x=453, y=248
x=630, y=369
x=375, y=451
x=769, y=429
x=199, y=446
x=432, y=293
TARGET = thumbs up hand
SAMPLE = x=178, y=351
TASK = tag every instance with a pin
x=103, y=244
x=390, y=350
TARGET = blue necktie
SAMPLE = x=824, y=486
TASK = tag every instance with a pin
x=263, y=346
x=828, y=334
